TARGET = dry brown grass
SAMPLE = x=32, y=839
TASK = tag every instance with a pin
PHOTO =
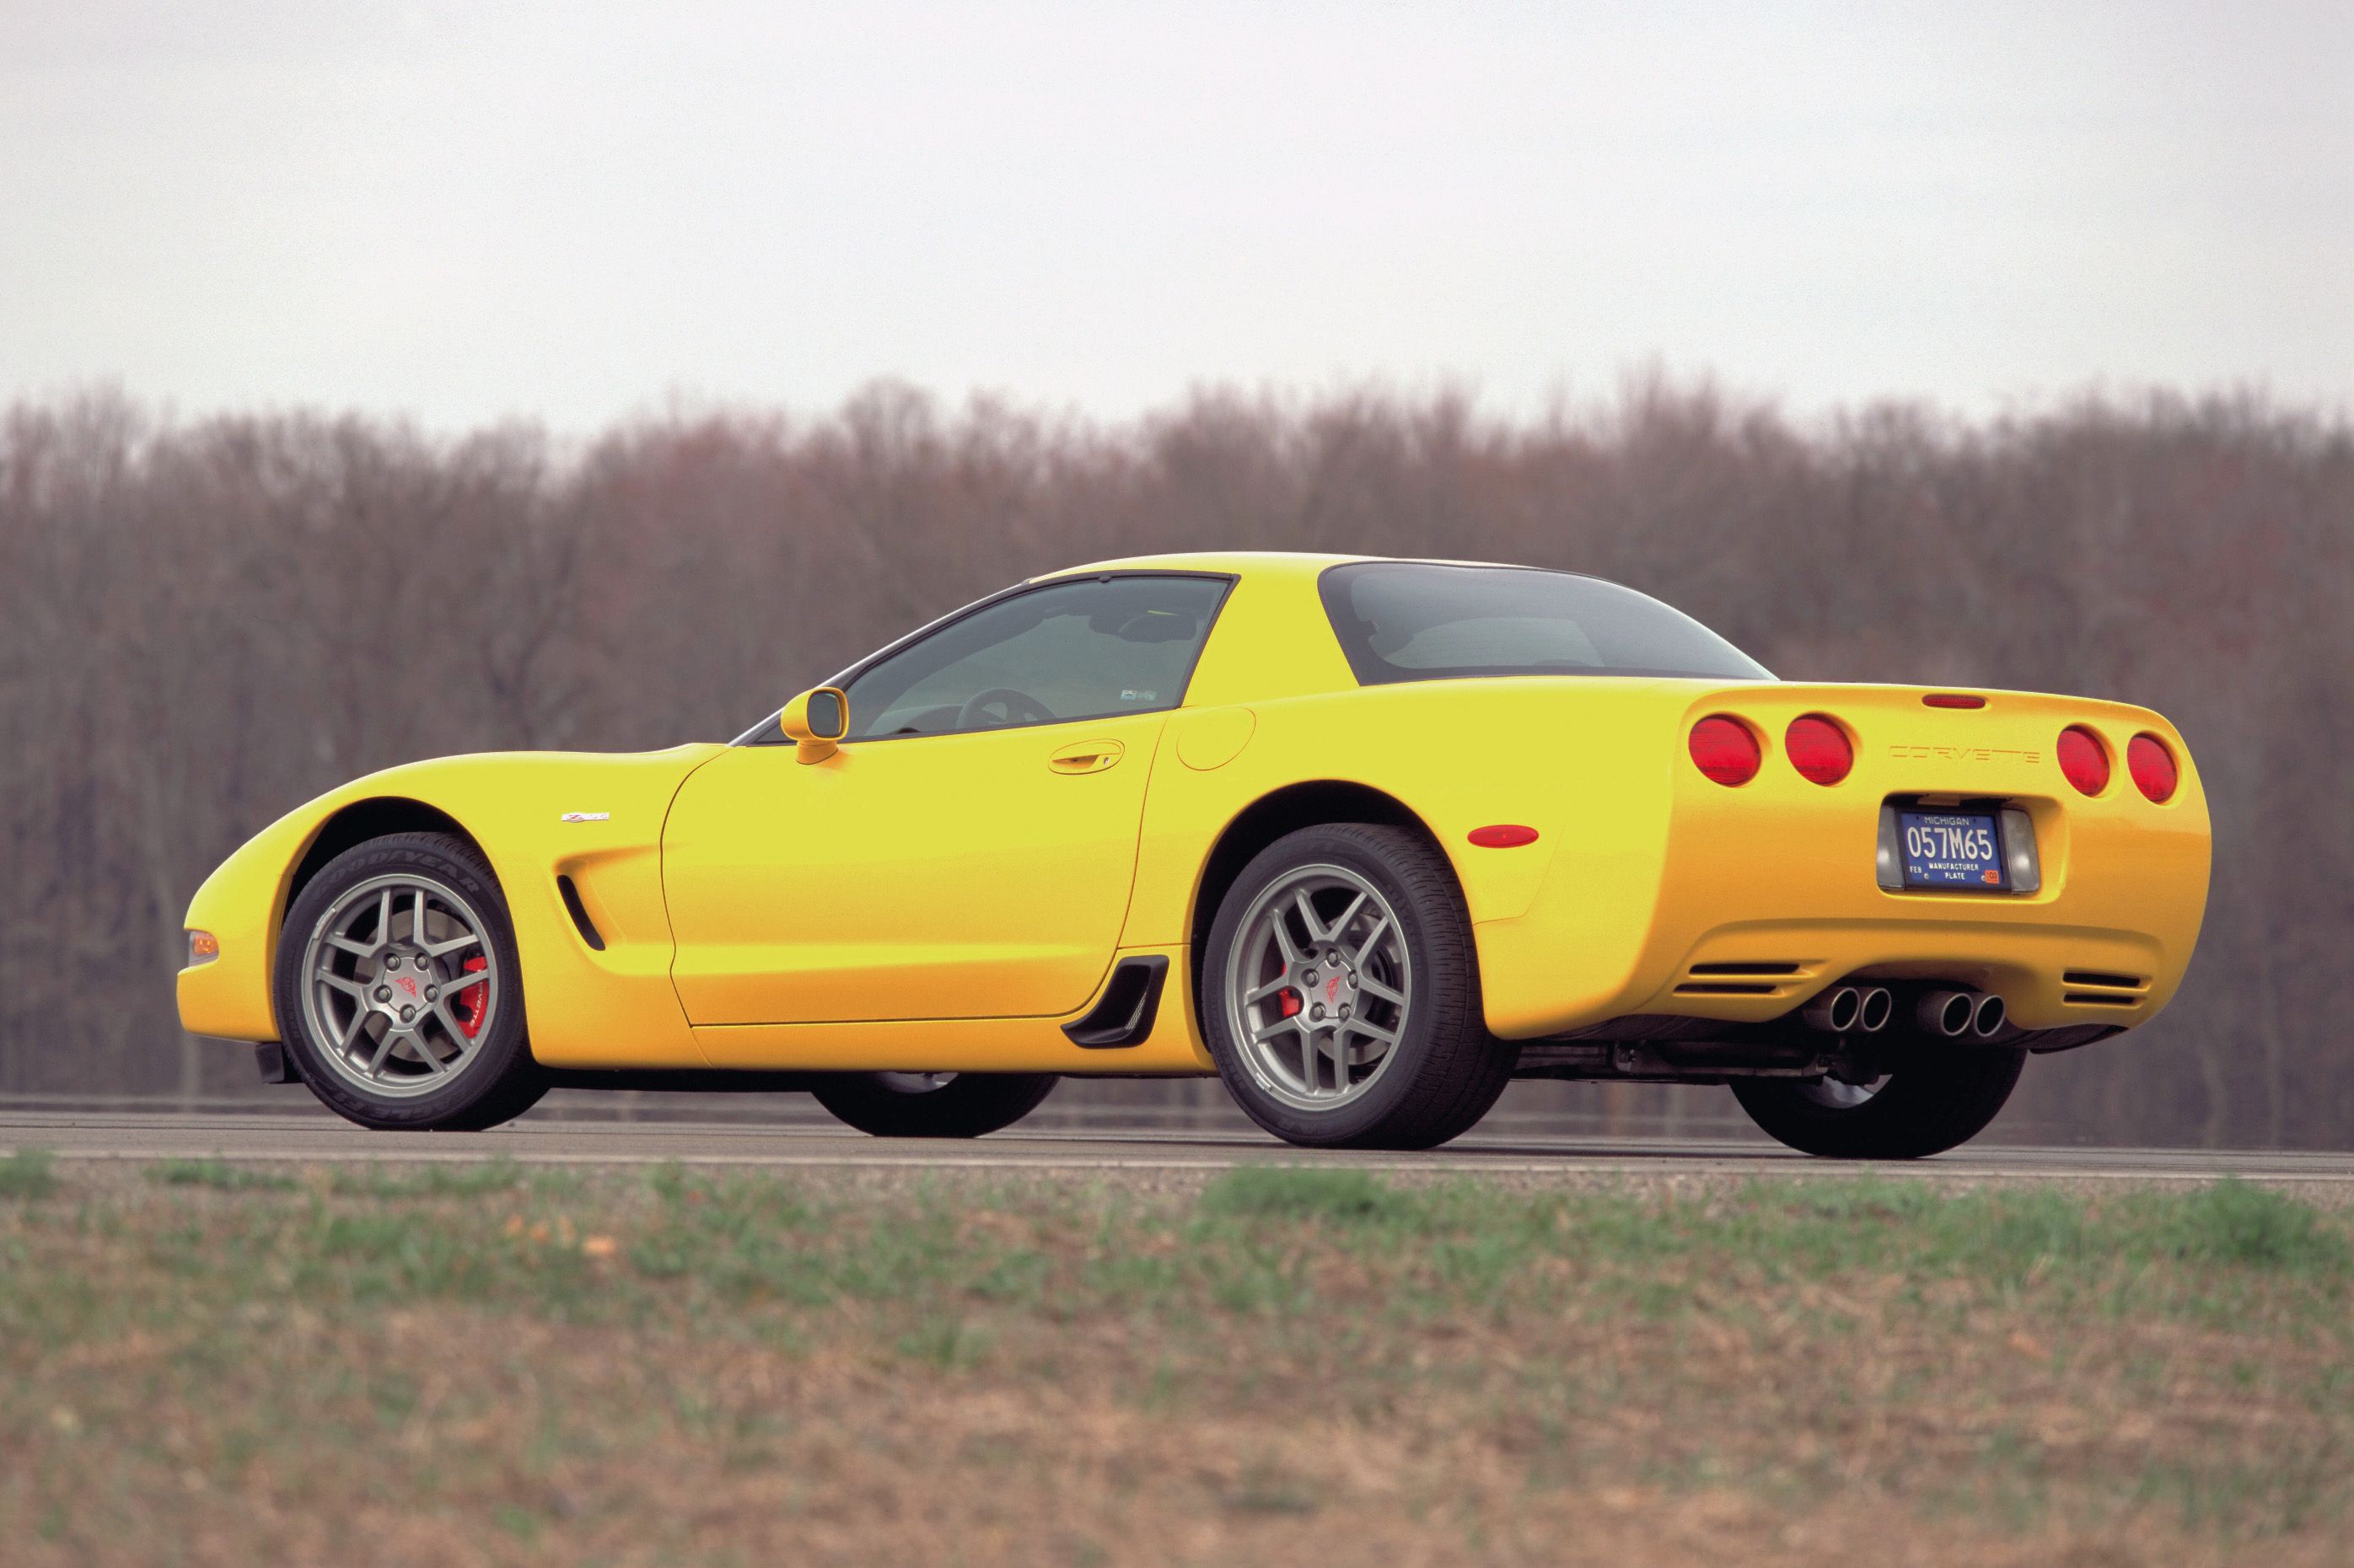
x=490, y=1368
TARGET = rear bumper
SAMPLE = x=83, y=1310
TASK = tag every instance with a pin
x=1743, y=902
x=2049, y=976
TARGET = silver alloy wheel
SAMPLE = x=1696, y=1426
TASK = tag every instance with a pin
x=1318, y=983
x=1837, y=1094
x=914, y=1083
x=387, y=993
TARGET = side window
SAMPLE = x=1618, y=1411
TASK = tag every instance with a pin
x=1068, y=651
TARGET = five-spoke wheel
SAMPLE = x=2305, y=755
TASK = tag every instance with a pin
x=1341, y=995
x=1319, y=985
x=399, y=990
x=398, y=984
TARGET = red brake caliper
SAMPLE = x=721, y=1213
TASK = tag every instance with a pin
x=468, y=1002
x=1288, y=1003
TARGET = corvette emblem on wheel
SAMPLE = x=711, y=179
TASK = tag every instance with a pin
x=1366, y=839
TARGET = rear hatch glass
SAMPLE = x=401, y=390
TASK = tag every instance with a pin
x=1412, y=620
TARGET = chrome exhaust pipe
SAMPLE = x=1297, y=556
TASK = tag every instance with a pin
x=1945, y=1013
x=1987, y=1017
x=1875, y=1010
x=1835, y=1011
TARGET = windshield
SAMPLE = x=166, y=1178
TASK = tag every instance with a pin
x=1405, y=621
x=1067, y=649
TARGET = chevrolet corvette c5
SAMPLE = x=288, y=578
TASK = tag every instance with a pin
x=1367, y=838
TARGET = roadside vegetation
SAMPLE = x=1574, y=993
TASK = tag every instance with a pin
x=213, y=1364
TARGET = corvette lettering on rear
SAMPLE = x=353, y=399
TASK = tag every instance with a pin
x=1903, y=753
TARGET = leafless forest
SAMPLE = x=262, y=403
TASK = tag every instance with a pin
x=203, y=623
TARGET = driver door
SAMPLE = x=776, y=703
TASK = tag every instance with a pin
x=969, y=850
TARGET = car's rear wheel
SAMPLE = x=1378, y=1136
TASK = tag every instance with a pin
x=1341, y=993
x=399, y=992
x=1921, y=1109
x=934, y=1105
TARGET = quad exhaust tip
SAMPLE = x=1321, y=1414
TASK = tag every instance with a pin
x=1947, y=1014
x=1835, y=1011
x=1850, y=1008
x=1950, y=1014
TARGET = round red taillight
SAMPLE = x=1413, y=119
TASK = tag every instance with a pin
x=1819, y=748
x=1726, y=750
x=2152, y=767
x=2084, y=759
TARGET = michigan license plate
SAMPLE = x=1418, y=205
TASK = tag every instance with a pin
x=1951, y=848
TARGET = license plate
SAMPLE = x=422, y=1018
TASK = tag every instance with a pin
x=1951, y=848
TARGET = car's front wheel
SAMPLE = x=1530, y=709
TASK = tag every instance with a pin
x=933, y=1104
x=1923, y=1107
x=399, y=990
x=1341, y=993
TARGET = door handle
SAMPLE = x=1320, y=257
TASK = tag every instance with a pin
x=1086, y=757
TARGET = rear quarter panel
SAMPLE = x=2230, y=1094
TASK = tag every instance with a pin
x=1583, y=762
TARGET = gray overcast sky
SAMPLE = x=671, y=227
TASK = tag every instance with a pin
x=574, y=211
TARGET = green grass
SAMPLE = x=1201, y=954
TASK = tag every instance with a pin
x=1348, y=1197
x=1240, y=1245
x=2237, y=1223
x=1796, y=1230
x=389, y=1181
x=28, y=1173
x=218, y=1174
x=1999, y=1359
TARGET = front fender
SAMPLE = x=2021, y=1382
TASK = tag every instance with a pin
x=242, y=904
x=613, y=1007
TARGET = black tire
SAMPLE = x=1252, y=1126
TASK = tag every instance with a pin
x=965, y=1105
x=1445, y=1071
x=1922, y=1108
x=500, y=1081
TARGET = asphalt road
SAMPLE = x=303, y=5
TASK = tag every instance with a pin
x=133, y=1135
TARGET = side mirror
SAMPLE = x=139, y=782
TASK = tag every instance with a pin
x=815, y=723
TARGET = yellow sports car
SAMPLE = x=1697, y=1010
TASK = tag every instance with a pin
x=1366, y=838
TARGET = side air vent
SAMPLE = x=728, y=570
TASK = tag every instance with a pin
x=1123, y=1015
x=1745, y=977
x=2098, y=979
x=2099, y=988
x=579, y=913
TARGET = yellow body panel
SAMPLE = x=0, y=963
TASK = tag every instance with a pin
x=946, y=902
x=1017, y=1045
x=977, y=875
x=1671, y=870
x=616, y=1008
